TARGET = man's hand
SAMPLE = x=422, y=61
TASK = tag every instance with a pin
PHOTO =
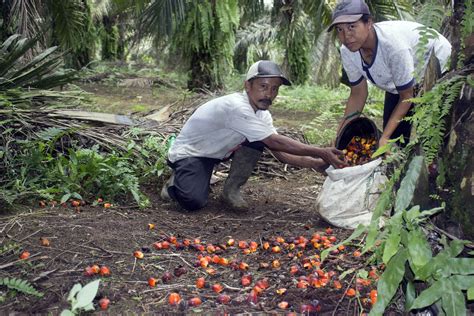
x=334, y=157
x=383, y=141
x=319, y=165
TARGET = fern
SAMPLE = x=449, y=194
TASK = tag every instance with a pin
x=431, y=14
x=428, y=119
x=20, y=286
x=8, y=247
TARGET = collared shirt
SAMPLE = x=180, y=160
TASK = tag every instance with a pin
x=218, y=127
x=395, y=60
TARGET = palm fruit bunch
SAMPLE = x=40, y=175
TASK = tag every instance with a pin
x=360, y=150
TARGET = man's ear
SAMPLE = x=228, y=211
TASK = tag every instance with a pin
x=247, y=85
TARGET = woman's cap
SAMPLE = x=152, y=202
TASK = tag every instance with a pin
x=348, y=11
x=266, y=69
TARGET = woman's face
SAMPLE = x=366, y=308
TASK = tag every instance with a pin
x=354, y=35
x=262, y=92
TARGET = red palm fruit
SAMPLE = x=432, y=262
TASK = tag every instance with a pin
x=104, y=303
x=283, y=305
x=266, y=245
x=253, y=245
x=276, y=249
x=373, y=297
x=95, y=268
x=104, y=271
x=280, y=240
x=263, y=283
x=294, y=270
x=230, y=242
x=223, y=299
x=217, y=288
x=243, y=266
x=194, y=301
x=89, y=271
x=243, y=244
x=203, y=262
x=152, y=282
x=165, y=244
x=138, y=254
x=351, y=292
x=174, y=299
x=337, y=284
x=210, y=248
x=200, y=283
x=166, y=277
x=223, y=261
x=246, y=280
x=24, y=255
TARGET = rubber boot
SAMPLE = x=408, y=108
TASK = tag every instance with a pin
x=164, y=190
x=243, y=163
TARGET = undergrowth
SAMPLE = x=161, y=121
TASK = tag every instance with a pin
x=329, y=105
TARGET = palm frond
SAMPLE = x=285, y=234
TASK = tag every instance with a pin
x=70, y=23
x=160, y=16
x=251, y=11
x=26, y=17
x=19, y=79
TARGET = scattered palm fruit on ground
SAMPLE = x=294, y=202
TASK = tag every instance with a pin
x=360, y=150
x=270, y=274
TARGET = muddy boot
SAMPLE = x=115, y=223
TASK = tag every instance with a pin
x=243, y=163
x=164, y=190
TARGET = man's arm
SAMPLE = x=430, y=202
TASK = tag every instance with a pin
x=301, y=161
x=285, y=144
x=398, y=114
x=356, y=102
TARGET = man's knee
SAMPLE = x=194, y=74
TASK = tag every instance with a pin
x=190, y=201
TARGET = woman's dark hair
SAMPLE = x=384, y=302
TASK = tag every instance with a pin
x=365, y=18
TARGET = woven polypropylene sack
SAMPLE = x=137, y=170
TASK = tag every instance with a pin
x=349, y=195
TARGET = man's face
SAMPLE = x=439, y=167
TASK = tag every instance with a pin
x=262, y=92
x=353, y=35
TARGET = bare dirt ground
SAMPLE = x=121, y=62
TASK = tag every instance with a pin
x=109, y=237
x=282, y=214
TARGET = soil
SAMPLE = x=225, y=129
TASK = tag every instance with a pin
x=91, y=234
x=109, y=236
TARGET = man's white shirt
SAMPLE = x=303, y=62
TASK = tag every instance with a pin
x=394, y=62
x=218, y=127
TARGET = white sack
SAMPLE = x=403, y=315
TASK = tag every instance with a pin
x=349, y=195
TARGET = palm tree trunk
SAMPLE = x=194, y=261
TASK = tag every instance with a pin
x=458, y=151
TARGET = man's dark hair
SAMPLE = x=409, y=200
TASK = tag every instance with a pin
x=365, y=18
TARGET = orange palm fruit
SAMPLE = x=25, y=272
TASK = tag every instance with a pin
x=174, y=298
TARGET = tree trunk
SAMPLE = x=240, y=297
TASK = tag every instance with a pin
x=458, y=151
x=109, y=39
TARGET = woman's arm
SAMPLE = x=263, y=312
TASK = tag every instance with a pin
x=400, y=111
x=356, y=101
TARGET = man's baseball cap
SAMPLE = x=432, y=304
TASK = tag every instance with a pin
x=348, y=11
x=266, y=69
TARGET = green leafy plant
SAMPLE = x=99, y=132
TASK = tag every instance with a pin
x=20, y=285
x=81, y=298
x=430, y=113
x=404, y=249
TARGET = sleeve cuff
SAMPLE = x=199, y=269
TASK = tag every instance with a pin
x=355, y=83
x=406, y=86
